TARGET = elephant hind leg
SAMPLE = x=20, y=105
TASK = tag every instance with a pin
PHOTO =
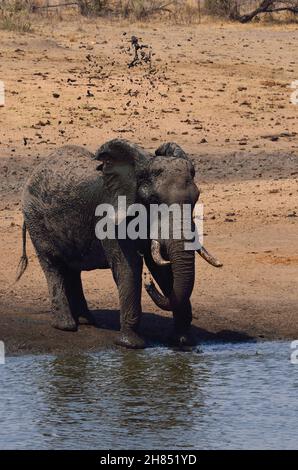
x=59, y=288
x=66, y=295
x=76, y=298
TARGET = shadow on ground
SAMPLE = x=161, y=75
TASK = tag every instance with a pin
x=156, y=329
x=28, y=330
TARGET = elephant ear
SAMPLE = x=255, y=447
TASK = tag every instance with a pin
x=122, y=161
x=171, y=149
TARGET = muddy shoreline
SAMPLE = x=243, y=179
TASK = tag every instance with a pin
x=29, y=332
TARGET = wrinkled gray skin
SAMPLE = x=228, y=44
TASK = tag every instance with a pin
x=59, y=204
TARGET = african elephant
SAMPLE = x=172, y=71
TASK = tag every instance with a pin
x=59, y=204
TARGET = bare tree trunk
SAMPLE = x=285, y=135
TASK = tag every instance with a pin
x=266, y=6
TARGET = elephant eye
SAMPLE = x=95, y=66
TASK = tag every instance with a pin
x=108, y=163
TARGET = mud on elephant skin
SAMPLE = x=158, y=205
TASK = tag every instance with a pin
x=59, y=205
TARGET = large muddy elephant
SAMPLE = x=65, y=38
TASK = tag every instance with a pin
x=59, y=204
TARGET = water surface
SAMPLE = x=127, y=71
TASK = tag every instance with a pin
x=225, y=396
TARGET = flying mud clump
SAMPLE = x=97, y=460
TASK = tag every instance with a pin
x=140, y=56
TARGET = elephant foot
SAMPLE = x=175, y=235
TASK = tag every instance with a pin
x=64, y=324
x=86, y=319
x=184, y=340
x=130, y=339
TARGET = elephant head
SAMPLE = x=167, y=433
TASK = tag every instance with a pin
x=164, y=178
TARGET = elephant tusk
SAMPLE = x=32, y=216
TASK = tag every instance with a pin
x=209, y=258
x=160, y=300
x=156, y=255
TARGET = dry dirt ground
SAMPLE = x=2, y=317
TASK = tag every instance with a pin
x=221, y=92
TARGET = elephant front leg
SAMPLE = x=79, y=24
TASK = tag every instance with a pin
x=129, y=283
x=183, y=334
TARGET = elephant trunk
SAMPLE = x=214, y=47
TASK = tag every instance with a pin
x=183, y=269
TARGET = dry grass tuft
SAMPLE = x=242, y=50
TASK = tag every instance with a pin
x=14, y=16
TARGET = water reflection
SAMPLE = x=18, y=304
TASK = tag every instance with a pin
x=226, y=397
x=137, y=392
x=164, y=386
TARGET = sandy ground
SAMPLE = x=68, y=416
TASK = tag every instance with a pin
x=221, y=92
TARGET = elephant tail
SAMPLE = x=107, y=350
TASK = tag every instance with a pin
x=23, y=263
